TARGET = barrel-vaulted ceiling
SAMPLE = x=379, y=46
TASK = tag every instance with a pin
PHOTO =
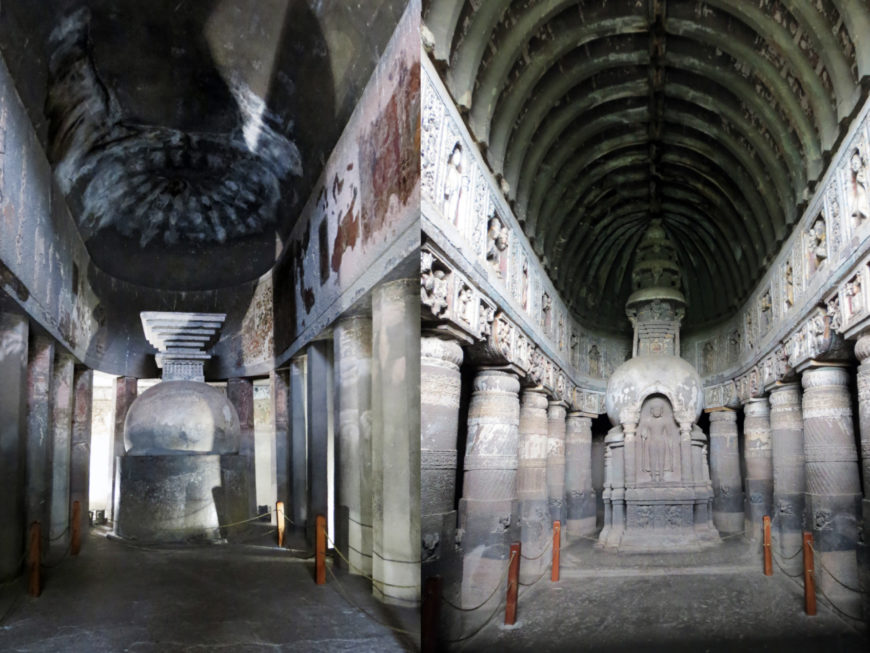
x=715, y=116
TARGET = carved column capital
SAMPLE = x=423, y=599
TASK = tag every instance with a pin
x=862, y=347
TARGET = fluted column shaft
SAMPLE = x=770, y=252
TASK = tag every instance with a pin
x=80, y=461
x=488, y=511
x=39, y=434
x=833, y=490
x=532, y=482
x=579, y=495
x=352, y=338
x=396, y=441
x=758, y=453
x=789, y=474
x=556, y=461
x=440, y=386
x=725, y=472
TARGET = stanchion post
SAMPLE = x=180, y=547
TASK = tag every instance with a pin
x=34, y=587
x=431, y=614
x=768, y=558
x=809, y=579
x=557, y=539
x=76, y=533
x=320, y=551
x=510, y=611
x=279, y=510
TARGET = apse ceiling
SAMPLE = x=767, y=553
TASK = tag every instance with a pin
x=187, y=135
x=715, y=116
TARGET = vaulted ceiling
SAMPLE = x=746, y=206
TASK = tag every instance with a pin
x=185, y=133
x=715, y=116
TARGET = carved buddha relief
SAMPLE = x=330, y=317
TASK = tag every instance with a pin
x=659, y=439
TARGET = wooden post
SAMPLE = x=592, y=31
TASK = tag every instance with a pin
x=320, y=550
x=34, y=587
x=279, y=510
x=809, y=579
x=557, y=539
x=510, y=611
x=76, y=537
x=431, y=614
x=768, y=559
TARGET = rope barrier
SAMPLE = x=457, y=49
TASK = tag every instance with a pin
x=535, y=582
x=830, y=573
x=787, y=558
x=366, y=613
x=833, y=605
x=488, y=598
x=477, y=630
x=540, y=555
x=783, y=570
x=362, y=572
x=57, y=537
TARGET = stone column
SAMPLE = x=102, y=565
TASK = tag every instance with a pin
x=580, y=497
x=489, y=511
x=789, y=475
x=125, y=391
x=725, y=472
x=240, y=393
x=61, y=448
x=352, y=339
x=833, y=489
x=758, y=453
x=298, y=468
x=279, y=396
x=39, y=434
x=79, y=481
x=532, y=483
x=862, y=351
x=440, y=385
x=13, y=442
x=556, y=429
x=396, y=441
x=317, y=452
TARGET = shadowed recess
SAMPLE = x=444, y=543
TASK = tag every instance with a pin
x=716, y=117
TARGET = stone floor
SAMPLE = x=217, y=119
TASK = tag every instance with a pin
x=714, y=601
x=241, y=597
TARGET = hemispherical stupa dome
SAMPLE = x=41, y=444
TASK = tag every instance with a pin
x=181, y=417
x=643, y=376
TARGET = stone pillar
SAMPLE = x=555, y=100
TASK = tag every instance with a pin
x=279, y=396
x=396, y=441
x=833, y=489
x=488, y=511
x=240, y=393
x=758, y=453
x=39, y=434
x=61, y=448
x=556, y=429
x=125, y=391
x=298, y=466
x=579, y=495
x=440, y=385
x=13, y=440
x=862, y=351
x=532, y=483
x=352, y=339
x=789, y=474
x=79, y=480
x=725, y=472
x=318, y=413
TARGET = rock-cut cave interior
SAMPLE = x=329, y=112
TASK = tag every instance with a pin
x=439, y=325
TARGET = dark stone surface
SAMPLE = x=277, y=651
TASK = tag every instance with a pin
x=239, y=597
x=180, y=498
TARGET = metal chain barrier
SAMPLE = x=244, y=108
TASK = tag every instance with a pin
x=834, y=607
